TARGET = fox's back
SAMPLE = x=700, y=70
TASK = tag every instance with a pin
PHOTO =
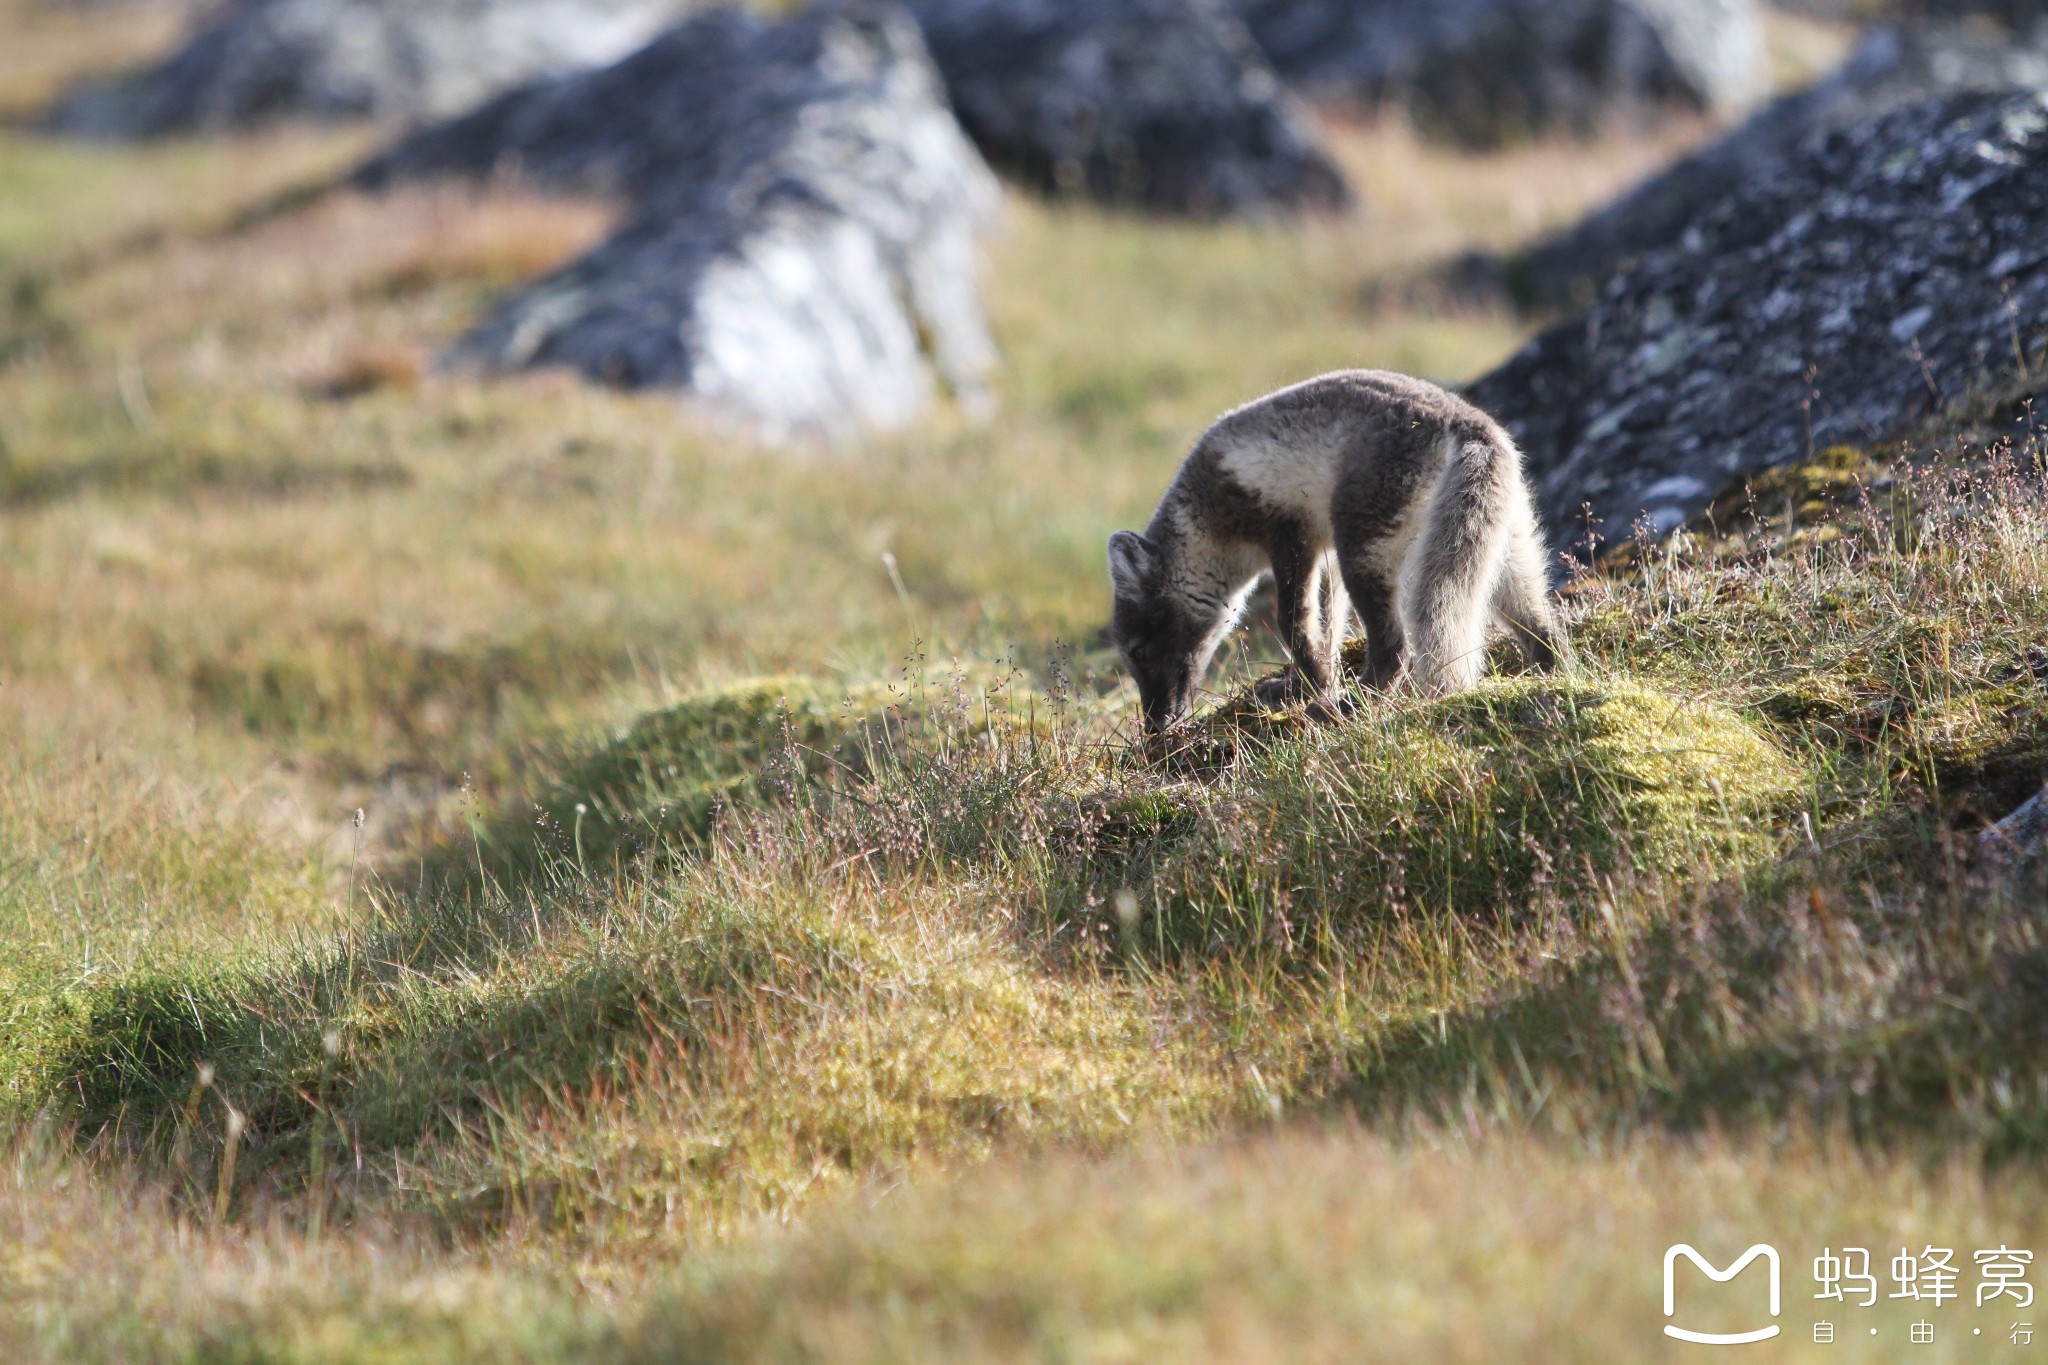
x=1290, y=448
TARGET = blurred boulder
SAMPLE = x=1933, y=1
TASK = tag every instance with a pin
x=1859, y=285
x=261, y=60
x=800, y=247
x=1893, y=66
x=1484, y=71
x=1160, y=104
x=2011, y=13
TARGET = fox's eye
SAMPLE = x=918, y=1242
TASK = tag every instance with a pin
x=1138, y=653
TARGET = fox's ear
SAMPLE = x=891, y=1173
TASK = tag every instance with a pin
x=1132, y=559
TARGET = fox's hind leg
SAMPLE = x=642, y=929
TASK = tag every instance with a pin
x=1336, y=612
x=1336, y=624
x=1522, y=601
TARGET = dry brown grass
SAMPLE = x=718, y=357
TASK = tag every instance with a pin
x=52, y=46
x=1300, y=1245
x=375, y=366
x=1425, y=201
x=1334, y=1246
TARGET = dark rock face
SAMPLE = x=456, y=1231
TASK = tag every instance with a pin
x=1892, y=67
x=801, y=248
x=2011, y=13
x=1866, y=283
x=1483, y=71
x=262, y=60
x=1161, y=104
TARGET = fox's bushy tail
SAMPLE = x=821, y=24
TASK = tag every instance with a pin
x=1477, y=528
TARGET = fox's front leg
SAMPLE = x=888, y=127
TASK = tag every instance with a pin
x=1369, y=579
x=1298, y=593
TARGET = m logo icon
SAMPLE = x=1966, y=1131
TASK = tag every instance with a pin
x=1770, y=1255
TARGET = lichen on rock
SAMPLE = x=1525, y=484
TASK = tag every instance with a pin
x=1894, y=65
x=1873, y=280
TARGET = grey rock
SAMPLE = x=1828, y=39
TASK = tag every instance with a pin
x=1869, y=280
x=262, y=60
x=1893, y=66
x=1484, y=71
x=801, y=246
x=2022, y=834
x=1161, y=104
x=2011, y=13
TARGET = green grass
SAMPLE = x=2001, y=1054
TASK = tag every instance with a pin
x=1266, y=1248
x=498, y=869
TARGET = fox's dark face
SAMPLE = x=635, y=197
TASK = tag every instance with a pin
x=1162, y=643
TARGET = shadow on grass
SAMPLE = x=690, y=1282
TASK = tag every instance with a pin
x=728, y=894
x=1896, y=996
x=416, y=1037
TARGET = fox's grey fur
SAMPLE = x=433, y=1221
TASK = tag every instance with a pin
x=1415, y=494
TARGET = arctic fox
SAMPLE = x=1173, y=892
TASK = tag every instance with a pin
x=1416, y=494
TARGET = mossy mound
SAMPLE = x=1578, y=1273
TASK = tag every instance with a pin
x=1518, y=792
x=1805, y=493
x=1988, y=748
x=702, y=1057
x=1653, y=758
x=665, y=779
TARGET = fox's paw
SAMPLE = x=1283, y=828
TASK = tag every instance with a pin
x=1335, y=706
x=1290, y=690
x=1277, y=694
x=1380, y=672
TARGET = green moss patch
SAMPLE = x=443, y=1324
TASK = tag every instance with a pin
x=1989, y=747
x=1807, y=493
x=1517, y=795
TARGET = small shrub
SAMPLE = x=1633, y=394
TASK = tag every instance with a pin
x=375, y=366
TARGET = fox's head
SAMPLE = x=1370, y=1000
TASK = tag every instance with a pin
x=1166, y=645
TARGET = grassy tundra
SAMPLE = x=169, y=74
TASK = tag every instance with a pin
x=491, y=869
